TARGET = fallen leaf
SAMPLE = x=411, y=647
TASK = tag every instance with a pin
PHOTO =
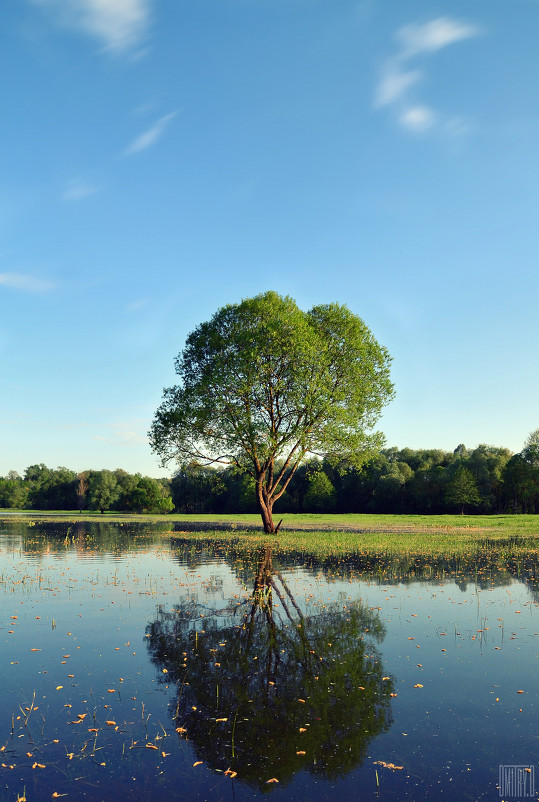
x=198, y=763
x=273, y=780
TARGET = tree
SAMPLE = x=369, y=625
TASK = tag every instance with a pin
x=103, y=490
x=263, y=381
x=150, y=496
x=462, y=489
x=320, y=495
x=530, y=452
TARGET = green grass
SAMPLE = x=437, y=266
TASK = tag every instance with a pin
x=390, y=534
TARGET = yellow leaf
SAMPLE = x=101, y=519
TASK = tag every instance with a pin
x=198, y=763
x=273, y=780
x=59, y=687
x=151, y=746
x=111, y=723
x=418, y=685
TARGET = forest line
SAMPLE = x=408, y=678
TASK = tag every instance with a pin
x=486, y=479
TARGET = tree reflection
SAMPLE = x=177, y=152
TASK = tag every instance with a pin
x=267, y=690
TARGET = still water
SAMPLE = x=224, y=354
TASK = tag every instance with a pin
x=137, y=664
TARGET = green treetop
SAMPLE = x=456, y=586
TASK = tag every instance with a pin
x=264, y=381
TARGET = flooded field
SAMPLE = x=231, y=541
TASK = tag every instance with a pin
x=138, y=664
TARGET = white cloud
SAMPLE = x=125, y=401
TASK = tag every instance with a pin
x=417, y=118
x=395, y=87
x=77, y=189
x=394, y=84
x=150, y=137
x=119, y=25
x=434, y=35
x=22, y=281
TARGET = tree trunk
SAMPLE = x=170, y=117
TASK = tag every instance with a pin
x=264, y=505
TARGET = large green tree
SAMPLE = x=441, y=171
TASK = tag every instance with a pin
x=264, y=381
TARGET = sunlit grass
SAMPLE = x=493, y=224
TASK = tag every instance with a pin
x=317, y=534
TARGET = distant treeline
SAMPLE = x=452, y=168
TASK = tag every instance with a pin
x=43, y=488
x=483, y=480
x=486, y=479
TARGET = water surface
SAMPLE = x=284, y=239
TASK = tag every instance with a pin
x=141, y=665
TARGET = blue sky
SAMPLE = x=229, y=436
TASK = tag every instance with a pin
x=162, y=159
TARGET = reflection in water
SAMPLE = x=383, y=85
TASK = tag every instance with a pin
x=267, y=690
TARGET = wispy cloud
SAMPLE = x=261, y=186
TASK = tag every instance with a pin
x=394, y=84
x=150, y=137
x=120, y=25
x=128, y=433
x=136, y=306
x=417, y=118
x=77, y=189
x=397, y=79
x=25, y=282
x=433, y=35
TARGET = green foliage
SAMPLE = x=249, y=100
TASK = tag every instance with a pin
x=103, y=490
x=462, y=490
x=13, y=493
x=320, y=496
x=263, y=380
x=150, y=496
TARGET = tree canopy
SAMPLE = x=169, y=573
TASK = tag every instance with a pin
x=263, y=382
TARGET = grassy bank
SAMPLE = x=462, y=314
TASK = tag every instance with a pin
x=405, y=534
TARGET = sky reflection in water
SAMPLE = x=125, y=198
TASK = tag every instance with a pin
x=357, y=664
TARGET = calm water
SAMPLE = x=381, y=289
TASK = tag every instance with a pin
x=142, y=666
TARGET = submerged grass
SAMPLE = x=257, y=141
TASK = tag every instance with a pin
x=340, y=534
